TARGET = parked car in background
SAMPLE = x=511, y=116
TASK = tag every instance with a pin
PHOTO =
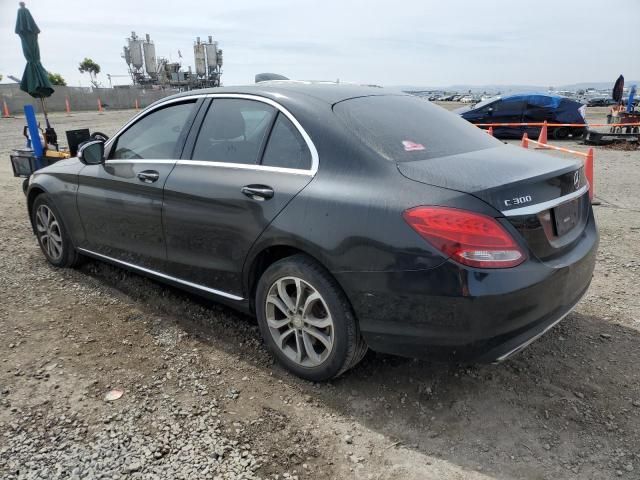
x=342, y=217
x=600, y=102
x=528, y=108
x=468, y=99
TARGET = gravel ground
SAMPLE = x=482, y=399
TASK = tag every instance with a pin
x=203, y=399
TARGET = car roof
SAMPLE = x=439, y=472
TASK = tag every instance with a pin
x=278, y=90
x=529, y=94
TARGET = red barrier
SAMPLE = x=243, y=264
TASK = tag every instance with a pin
x=588, y=171
x=99, y=106
x=67, y=107
x=542, y=138
x=490, y=131
x=136, y=105
x=541, y=124
x=5, y=109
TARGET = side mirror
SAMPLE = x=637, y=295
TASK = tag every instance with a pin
x=92, y=152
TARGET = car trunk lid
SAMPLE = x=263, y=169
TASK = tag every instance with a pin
x=543, y=197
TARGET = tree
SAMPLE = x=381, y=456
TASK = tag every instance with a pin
x=90, y=67
x=1, y=77
x=56, y=79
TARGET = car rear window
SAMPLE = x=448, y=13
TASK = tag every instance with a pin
x=404, y=128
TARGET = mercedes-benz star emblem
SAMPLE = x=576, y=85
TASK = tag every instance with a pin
x=576, y=179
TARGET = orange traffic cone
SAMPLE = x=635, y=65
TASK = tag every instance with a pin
x=5, y=109
x=525, y=140
x=490, y=131
x=588, y=171
x=542, y=138
x=67, y=107
x=99, y=106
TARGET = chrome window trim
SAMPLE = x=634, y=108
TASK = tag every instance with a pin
x=242, y=166
x=163, y=275
x=206, y=163
x=144, y=113
x=141, y=160
x=541, y=207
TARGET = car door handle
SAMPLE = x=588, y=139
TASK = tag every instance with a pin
x=148, y=176
x=257, y=192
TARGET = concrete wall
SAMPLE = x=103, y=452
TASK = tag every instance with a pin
x=81, y=98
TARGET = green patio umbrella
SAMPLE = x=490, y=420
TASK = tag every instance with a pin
x=35, y=79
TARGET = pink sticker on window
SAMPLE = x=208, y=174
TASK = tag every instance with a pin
x=410, y=146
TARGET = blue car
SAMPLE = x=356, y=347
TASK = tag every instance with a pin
x=528, y=108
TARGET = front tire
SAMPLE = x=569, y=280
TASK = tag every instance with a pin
x=52, y=235
x=578, y=133
x=306, y=320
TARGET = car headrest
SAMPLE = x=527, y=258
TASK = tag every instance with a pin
x=227, y=124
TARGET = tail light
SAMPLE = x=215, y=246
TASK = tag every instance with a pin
x=469, y=238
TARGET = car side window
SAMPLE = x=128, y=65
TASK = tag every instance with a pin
x=491, y=107
x=286, y=147
x=155, y=136
x=509, y=107
x=233, y=131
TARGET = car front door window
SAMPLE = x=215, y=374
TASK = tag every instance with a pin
x=155, y=136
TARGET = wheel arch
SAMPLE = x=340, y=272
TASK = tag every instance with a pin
x=267, y=255
x=32, y=193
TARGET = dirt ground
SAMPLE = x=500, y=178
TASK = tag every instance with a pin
x=567, y=407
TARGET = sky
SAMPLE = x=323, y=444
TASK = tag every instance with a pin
x=392, y=42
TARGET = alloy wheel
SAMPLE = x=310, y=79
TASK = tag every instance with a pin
x=299, y=321
x=49, y=232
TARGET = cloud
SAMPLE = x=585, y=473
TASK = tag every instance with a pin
x=425, y=42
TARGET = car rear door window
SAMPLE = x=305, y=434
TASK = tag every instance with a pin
x=155, y=136
x=286, y=147
x=233, y=131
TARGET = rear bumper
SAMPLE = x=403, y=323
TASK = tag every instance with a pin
x=466, y=313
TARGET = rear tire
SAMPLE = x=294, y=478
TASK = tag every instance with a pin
x=52, y=234
x=306, y=320
x=561, y=133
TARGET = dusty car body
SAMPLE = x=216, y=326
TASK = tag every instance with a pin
x=343, y=217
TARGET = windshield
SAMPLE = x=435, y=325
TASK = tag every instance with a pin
x=406, y=128
x=486, y=102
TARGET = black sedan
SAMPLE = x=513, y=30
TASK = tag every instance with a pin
x=528, y=108
x=342, y=217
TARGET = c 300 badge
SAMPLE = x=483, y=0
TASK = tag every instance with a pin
x=518, y=200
